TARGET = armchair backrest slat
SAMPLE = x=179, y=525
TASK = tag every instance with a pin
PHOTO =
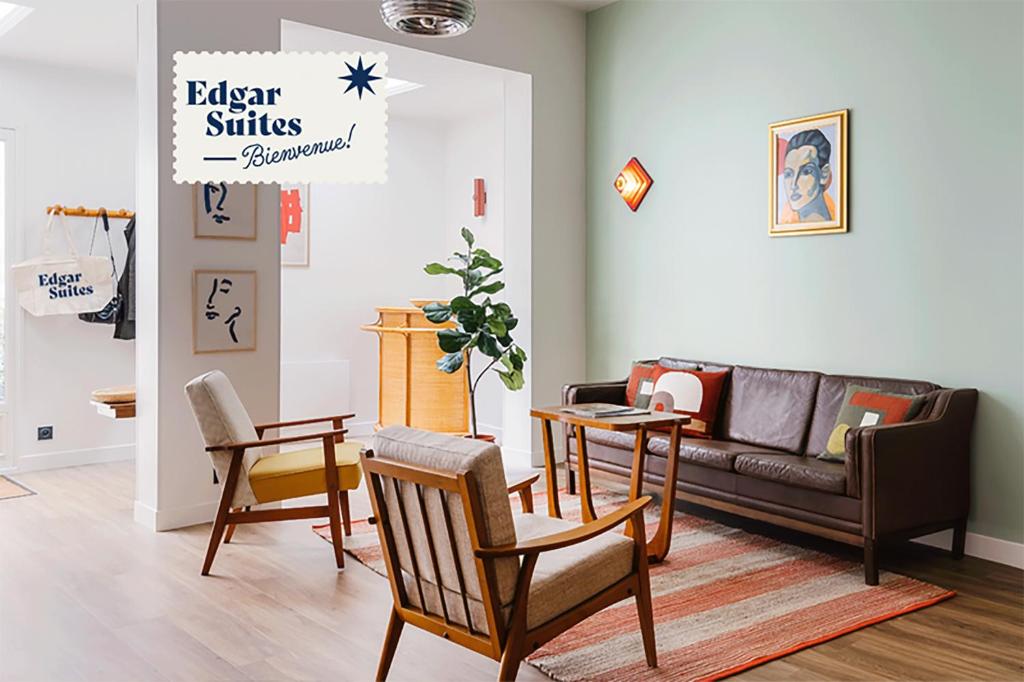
x=439, y=499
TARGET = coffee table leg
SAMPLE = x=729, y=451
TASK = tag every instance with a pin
x=636, y=477
x=586, y=503
x=550, y=469
x=657, y=548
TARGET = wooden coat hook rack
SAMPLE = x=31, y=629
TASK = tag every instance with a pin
x=89, y=212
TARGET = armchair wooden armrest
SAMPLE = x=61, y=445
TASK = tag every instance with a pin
x=278, y=441
x=336, y=418
x=569, y=537
x=523, y=487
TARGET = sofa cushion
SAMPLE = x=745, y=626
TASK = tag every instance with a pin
x=641, y=383
x=691, y=392
x=770, y=407
x=569, y=576
x=829, y=400
x=562, y=578
x=864, y=406
x=805, y=472
x=717, y=454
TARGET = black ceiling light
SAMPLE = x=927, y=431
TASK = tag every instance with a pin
x=439, y=18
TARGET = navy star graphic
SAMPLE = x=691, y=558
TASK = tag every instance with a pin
x=359, y=78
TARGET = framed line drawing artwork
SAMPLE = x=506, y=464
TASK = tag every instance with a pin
x=808, y=168
x=223, y=311
x=295, y=225
x=224, y=211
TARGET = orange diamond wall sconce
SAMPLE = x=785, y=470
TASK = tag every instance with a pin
x=633, y=183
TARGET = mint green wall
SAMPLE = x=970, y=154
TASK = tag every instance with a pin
x=927, y=284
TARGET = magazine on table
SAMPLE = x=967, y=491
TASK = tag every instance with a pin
x=603, y=410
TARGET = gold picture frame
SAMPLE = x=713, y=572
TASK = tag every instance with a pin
x=815, y=193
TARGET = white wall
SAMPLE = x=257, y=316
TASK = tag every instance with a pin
x=368, y=246
x=543, y=39
x=475, y=149
x=76, y=146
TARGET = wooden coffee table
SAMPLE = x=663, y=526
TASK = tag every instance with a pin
x=658, y=546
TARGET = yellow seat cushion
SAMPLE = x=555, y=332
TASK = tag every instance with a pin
x=300, y=473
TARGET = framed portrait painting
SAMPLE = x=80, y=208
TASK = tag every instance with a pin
x=223, y=311
x=808, y=175
x=295, y=225
x=224, y=211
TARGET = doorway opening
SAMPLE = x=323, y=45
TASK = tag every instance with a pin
x=450, y=123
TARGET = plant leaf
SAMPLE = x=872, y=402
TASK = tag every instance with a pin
x=488, y=345
x=513, y=380
x=440, y=269
x=468, y=236
x=482, y=259
x=492, y=288
x=437, y=312
x=461, y=303
x=450, y=363
x=452, y=340
x=470, y=319
x=497, y=327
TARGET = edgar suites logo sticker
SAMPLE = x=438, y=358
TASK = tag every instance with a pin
x=284, y=117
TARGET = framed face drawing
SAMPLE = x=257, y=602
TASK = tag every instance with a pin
x=295, y=225
x=223, y=311
x=807, y=179
x=224, y=211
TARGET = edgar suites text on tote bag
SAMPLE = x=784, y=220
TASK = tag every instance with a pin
x=64, y=284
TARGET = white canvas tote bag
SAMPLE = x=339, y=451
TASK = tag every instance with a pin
x=65, y=284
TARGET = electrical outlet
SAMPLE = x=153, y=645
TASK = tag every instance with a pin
x=44, y=433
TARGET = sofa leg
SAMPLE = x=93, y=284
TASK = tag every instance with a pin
x=570, y=477
x=959, y=539
x=870, y=561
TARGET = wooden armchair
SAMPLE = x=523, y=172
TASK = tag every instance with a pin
x=463, y=567
x=248, y=476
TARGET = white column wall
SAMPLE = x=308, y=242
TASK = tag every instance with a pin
x=543, y=39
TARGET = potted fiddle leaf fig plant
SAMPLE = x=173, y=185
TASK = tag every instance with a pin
x=480, y=322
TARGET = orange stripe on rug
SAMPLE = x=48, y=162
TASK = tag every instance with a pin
x=732, y=652
x=724, y=601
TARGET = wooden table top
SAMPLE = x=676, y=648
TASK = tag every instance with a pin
x=628, y=422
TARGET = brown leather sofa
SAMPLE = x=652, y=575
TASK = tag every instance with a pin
x=898, y=481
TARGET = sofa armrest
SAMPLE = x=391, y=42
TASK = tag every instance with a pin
x=597, y=392
x=916, y=473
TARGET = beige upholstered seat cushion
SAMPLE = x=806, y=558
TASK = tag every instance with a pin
x=449, y=454
x=562, y=578
x=222, y=419
x=566, y=577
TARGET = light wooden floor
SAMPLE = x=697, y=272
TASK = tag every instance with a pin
x=87, y=594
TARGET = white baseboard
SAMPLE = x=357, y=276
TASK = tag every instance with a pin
x=981, y=546
x=171, y=519
x=71, y=458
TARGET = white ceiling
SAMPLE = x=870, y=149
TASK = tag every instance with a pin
x=585, y=5
x=453, y=89
x=92, y=34
x=101, y=34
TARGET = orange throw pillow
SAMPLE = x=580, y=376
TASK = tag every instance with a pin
x=689, y=392
x=641, y=384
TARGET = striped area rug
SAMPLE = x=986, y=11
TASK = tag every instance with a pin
x=724, y=601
